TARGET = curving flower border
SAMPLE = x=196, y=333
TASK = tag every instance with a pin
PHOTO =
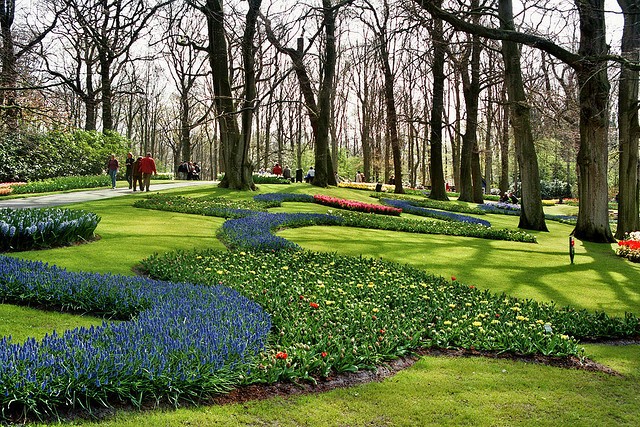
x=408, y=207
x=179, y=341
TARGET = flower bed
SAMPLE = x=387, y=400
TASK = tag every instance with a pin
x=352, y=205
x=283, y=197
x=255, y=231
x=408, y=207
x=435, y=204
x=178, y=341
x=630, y=247
x=335, y=313
x=24, y=229
x=208, y=206
x=62, y=184
x=449, y=228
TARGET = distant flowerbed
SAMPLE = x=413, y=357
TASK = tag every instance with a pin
x=352, y=205
x=451, y=206
x=334, y=313
x=208, y=206
x=408, y=207
x=62, y=184
x=25, y=229
x=177, y=341
x=630, y=247
x=6, y=188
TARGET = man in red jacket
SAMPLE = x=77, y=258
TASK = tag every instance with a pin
x=147, y=167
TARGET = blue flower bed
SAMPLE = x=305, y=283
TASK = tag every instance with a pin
x=182, y=341
x=255, y=231
x=407, y=207
x=25, y=229
x=283, y=197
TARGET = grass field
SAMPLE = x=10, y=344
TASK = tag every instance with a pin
x=436, y=390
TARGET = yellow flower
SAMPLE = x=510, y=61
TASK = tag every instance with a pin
x=468, y=304
x=360, y=285
x=477, y=323
x=199, y=257
x=452, y=305
x=243, y=253
x=220, y=272
x=329, y=302
x=370, y=285
x=285, y=267
x=207, y=269
x=375, y=310
x=447, y=322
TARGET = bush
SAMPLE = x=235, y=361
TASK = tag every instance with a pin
x=25, y=229
x=30, y=156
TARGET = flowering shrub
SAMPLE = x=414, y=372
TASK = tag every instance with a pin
x=355, y=206
x=255, y=231
x=62, y=184
x=337, y=313
x=408, y=207
x=178, y=341
x=630, y=247
x=24, y=229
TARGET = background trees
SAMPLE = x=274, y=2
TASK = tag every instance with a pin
x=370, y=85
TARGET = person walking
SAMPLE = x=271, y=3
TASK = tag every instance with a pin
x=148, y=168
x=136, y=174
x=129, y=170
x=112, y=169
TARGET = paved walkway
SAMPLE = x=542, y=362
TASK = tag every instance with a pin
x=88, y=195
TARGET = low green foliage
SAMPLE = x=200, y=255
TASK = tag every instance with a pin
x=62, y=184
x=450, y=228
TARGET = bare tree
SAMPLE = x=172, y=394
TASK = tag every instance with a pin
x=531, y=213
x=234, y=141
x=589, y=64
x=12, y=50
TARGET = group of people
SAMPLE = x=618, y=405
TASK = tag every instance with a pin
x=508, y=197
x=138, y=171
x=189, y=170
x=278, y=171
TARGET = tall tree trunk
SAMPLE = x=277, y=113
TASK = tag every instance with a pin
x=593, y=214
x=531, y=212
x=470, y=179
x=438, y=190
x=391, y=116
x=8, y=74
x=234, y=144
x=504, y=143
x=628, y=122
x=107, y=93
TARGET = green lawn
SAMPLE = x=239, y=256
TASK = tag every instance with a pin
x=436, y=390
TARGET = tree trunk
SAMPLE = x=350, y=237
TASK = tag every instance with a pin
x=504, y=144
x=470, y=159
x=106, y=92
x=531, y=212
x=8, y=74
x=438, y=190
x=234, y=144
x=628, y=123
x=593, y=214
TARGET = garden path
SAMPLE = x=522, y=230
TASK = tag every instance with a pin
x=88, y=195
